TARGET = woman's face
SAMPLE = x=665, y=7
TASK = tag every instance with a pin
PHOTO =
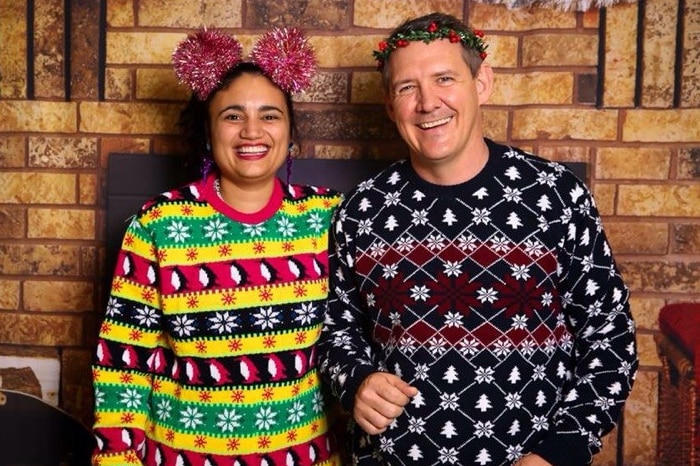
x=250, y=130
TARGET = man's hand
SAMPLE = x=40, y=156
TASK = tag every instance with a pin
x=379, y=400
x=532, y=460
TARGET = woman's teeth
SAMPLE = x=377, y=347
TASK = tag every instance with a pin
x=252, y=149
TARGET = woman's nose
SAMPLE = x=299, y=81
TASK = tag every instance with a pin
x=251, y=128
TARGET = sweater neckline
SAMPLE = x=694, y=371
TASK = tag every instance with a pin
x=268, y=211
x=494, y=156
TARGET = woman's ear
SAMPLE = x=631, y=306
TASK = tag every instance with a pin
x=484, y=82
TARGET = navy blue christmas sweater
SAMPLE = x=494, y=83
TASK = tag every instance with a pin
x=498, y=299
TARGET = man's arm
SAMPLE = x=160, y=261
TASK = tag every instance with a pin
x=595, y=300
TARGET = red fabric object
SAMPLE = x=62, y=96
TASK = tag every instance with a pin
x=681, y=322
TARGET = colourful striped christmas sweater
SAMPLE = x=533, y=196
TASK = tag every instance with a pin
x=206, y=355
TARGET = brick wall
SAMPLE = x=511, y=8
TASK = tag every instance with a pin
x=616, y=88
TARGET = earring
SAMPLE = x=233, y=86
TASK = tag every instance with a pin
x=208, y=147
x=289, y=161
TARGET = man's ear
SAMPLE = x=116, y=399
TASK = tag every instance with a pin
x=484, y=82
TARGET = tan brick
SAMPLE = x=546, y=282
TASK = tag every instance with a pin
x=9, y=295
x=58, y=296
x=326, y=88
x=38, y=116
x=366, y=88
x=345, y=51
x=12, y=151
x=532, y=88
x=129, y=118
x=605, y=194
x=636, y=163
x=49, y=37
x=620, y=62
x=88, y=262
x=659, y=60
x=54, y=152
x=40, y=330
x=87, y=189
x=189, y=14
x=560, y=50
x=502, y=51
x=591, y=18
x=309, y=14
x=337, y=151
x=128, y=145
x=85, y=33
x=659, y=200
x=638, y=238
x=13, y=222
x=159, y=84
x=39, y=259
x=61, y=224
x=686, y=238
x=118, y=83
x=565, y=153
x=582, y=124
x=120, y=13
x=13, y=36
x=647, y=350
x=607, y=456
x=662, y=277
x=639, y=430
x=646, y=311
x=690, y=72
x=37, y=188
x=388, y=15
x=498, y=18
x=679, y=125
x=689, y=163
x=495, y=123
x=132, y=48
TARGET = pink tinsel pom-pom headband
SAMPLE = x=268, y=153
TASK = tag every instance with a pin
x=283, y=54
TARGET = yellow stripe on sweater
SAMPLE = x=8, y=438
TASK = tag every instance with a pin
x=233, y=445
x=209, y=347
x=253, y=248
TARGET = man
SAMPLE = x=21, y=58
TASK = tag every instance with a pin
x=476, y=315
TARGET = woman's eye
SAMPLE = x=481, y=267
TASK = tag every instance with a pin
x=232, y=116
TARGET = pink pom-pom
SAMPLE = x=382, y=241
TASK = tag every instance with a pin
x=285, y=55
x=203, y=58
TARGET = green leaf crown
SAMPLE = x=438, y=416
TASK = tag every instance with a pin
x=471, y=39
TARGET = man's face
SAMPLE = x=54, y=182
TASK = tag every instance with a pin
x=435, y=101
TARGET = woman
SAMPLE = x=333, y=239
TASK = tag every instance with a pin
x=207, y=352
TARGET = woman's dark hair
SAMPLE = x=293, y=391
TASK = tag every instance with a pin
x=194, y=123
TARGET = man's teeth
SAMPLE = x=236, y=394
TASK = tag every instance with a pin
x=433, y=124
x=252, y=149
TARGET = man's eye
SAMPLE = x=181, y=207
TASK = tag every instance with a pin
x=403, y=90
